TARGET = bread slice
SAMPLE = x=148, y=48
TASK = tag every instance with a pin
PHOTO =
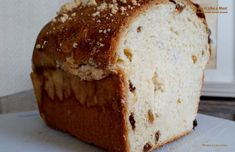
x=122, y=75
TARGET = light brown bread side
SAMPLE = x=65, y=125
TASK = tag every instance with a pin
x=99, y=119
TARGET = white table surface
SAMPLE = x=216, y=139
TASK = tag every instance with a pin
x=26, y=132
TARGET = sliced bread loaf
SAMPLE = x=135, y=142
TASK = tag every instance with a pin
x=123, y=75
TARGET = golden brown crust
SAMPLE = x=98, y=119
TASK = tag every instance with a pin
x=94, y=125
x=90, y=34
x=97, y=125
x=101, y=125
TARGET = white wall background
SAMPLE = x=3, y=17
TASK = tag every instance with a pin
x=21, y=21
x=225, y=71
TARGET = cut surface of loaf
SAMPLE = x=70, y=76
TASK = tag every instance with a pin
x=122, y=75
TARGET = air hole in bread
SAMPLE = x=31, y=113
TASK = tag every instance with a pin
x=157, y=136
x=132, y=121
x=156, y=115
x=150, y=116
x=203, y=53
x=158, y=86
x=194, y=59
x=139, y=29
x=189, y=19
x=132, y=88
x=125, y=42
x=147, y=147
x=128, y=54
x=174, y=31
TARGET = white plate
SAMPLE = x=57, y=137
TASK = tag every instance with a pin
x=26, y=132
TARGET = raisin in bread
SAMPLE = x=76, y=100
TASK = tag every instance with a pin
x=123, y=75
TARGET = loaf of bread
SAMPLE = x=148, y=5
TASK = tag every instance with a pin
x=124, y=75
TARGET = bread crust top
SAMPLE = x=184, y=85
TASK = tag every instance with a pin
x=90, y=31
